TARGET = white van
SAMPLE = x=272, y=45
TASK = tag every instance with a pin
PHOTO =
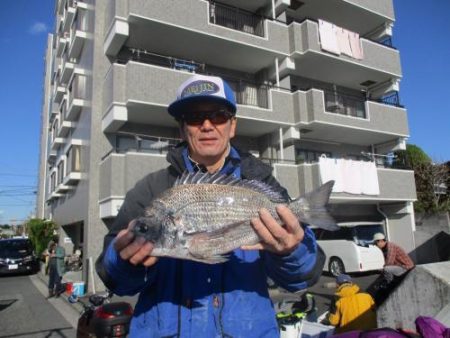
x=350, y=249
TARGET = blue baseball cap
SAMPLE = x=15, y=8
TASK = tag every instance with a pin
x=201, y=88
x=343, y=278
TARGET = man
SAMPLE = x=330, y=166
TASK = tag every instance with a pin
x=353, y=310
x=191, y=299
x=56, y=266
x=396, y=260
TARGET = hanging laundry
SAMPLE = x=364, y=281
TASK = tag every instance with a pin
x=355, y=44
x=328, y=38
x=343, y=39
x=350, y=176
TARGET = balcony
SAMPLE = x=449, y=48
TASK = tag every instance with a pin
x=338, y=119
x=65, y=128
x=72, y=178
x=140, y=93
x=372, y=15
x=67, y=71
x=75, y=98
x=58, y=93
x=395, y=185
x=58, y=142
x=60, y=4
x=198, y=35
x=119, y=173
x=77, y=35
x=69, y=14
x=54, y=111
x=51, y=157
x=61, y=45
x=379, y=64
x=61, y=189
x=54, y=196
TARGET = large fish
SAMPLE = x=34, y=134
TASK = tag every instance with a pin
x=205, y=216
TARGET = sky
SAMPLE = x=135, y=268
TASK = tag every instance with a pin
x=421, y=34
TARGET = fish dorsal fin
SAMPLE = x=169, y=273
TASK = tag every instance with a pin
x=223, y=179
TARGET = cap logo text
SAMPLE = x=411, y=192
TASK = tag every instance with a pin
x=200, y=88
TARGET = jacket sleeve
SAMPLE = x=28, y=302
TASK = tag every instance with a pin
x=119, y=276
x=303, y=267
x=335, y=316
x=300, y=269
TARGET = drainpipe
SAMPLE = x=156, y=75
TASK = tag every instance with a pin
x=385, y=219
x=281, y=144
x=277, y=72
x=273, y=10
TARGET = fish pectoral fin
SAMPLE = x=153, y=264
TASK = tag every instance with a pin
x=210, y=244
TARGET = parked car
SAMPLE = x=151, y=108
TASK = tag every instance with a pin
x=17, y=256
x=350, y=249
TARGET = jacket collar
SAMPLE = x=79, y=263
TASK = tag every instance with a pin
x=251, y=167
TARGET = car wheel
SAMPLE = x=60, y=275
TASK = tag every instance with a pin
x=336, y=267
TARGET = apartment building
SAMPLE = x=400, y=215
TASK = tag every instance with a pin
x=317, y=86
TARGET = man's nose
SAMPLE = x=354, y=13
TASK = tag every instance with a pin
x=207, y=124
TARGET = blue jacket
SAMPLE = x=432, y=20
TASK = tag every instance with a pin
x=188, y=299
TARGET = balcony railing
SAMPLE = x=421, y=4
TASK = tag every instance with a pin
x=236, y=18
x=246, y=92
x=125, y=142
x=344, y=104
x=392, y=99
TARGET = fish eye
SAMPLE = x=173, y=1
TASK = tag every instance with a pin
x=143, y=227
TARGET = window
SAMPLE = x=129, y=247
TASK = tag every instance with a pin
x=52, y=182
x=73, y=162
x=309, y=156
x=60, y=172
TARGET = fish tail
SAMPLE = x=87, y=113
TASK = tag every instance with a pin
x=316, y=212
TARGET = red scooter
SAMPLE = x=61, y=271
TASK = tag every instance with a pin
x=103, y=318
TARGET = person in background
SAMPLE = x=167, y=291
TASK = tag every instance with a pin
x=56, y=269
x=180, y=298
x=352, y=310
x=396, y=260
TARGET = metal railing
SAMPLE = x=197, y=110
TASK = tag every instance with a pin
x=344, y=104
x=125, y=142
x=236, y=18
x=246, y=92
x=392, y=99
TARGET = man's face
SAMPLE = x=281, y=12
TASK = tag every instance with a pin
x=208, y=128
x=380, y=243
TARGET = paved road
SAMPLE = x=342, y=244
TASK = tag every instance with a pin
x=25, y=312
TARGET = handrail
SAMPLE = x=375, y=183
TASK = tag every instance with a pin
x=236, y=18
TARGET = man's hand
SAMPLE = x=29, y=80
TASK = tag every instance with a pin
x=134, y=249
x=276, y=238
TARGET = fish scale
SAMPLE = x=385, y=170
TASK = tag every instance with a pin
x=205, y=216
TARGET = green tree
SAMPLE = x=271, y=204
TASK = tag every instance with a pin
x=429, y=177
x=40, y=233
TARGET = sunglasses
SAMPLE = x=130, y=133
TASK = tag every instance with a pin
x=198, y=118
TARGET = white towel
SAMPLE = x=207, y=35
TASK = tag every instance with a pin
x=328, y=37
x=369, y=183
x=351, y=172
x=355, y=44
x=344, y=41
x=327, y=169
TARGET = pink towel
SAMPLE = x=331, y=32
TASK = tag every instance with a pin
x=344, y=41
x=355, y=44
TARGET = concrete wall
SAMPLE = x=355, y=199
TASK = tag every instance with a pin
x=424, y=292
x=432, y=238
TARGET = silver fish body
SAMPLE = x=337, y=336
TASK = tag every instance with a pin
x=205, y=216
